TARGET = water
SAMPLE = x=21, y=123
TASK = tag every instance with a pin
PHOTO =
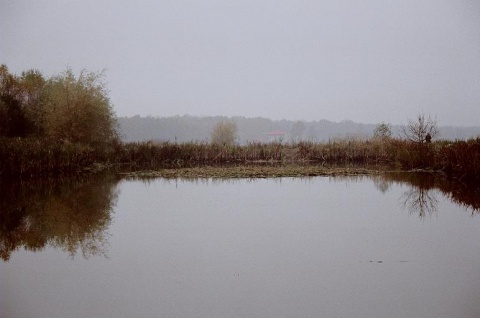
x=396, y=246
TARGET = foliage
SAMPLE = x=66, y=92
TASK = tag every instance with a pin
x=62, y=107
x=78, y=109
x=20, y=103
x=224, y=133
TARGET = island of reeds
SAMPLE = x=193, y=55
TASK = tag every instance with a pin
x=65, y=124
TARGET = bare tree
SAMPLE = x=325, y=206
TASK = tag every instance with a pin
x=421, y=129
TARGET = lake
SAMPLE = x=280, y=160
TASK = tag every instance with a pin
x=397, y=245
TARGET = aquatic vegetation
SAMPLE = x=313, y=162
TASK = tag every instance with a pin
x=248, y=171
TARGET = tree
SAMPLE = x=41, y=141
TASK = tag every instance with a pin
x=78, y=109
x=20, y=103
x=32, y=84
x=224, y=133
x=382, y=131
x=420, y=130
x=297, y=131
x=13, y=122
x=63, y=107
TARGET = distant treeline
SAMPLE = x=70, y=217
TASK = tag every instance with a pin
x=192, y=128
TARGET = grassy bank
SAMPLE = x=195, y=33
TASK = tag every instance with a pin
x=23, y=157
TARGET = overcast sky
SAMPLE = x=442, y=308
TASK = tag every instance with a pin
x=366, y=60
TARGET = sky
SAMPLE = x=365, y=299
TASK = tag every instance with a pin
x=368, y=61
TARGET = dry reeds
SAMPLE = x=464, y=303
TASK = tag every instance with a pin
x=39, y=157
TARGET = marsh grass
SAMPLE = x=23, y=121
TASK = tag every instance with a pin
x=41, y=157
x=457, y=159
x=173, y=154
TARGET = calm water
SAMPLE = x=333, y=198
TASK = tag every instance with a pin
x=318, y=247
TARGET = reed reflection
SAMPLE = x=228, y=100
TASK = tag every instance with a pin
x=70, y=214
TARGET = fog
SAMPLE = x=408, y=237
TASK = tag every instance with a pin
x=366, y=61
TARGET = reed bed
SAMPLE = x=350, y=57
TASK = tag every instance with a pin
x=39, y=157
x=173, y=154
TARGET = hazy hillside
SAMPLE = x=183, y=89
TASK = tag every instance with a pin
x=192, y=128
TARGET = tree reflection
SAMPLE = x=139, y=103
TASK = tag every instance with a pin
x=72, y=215
x=466, y=195
x=421, y=198
x=381, y=184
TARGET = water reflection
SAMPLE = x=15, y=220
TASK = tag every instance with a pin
x=422, y=196
x=420, y=201
x=381, y=184
x=70, y=214
x=74, y=215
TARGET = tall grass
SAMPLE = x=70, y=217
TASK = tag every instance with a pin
x=173, y=154
x=27, y=157
x=34, y=157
